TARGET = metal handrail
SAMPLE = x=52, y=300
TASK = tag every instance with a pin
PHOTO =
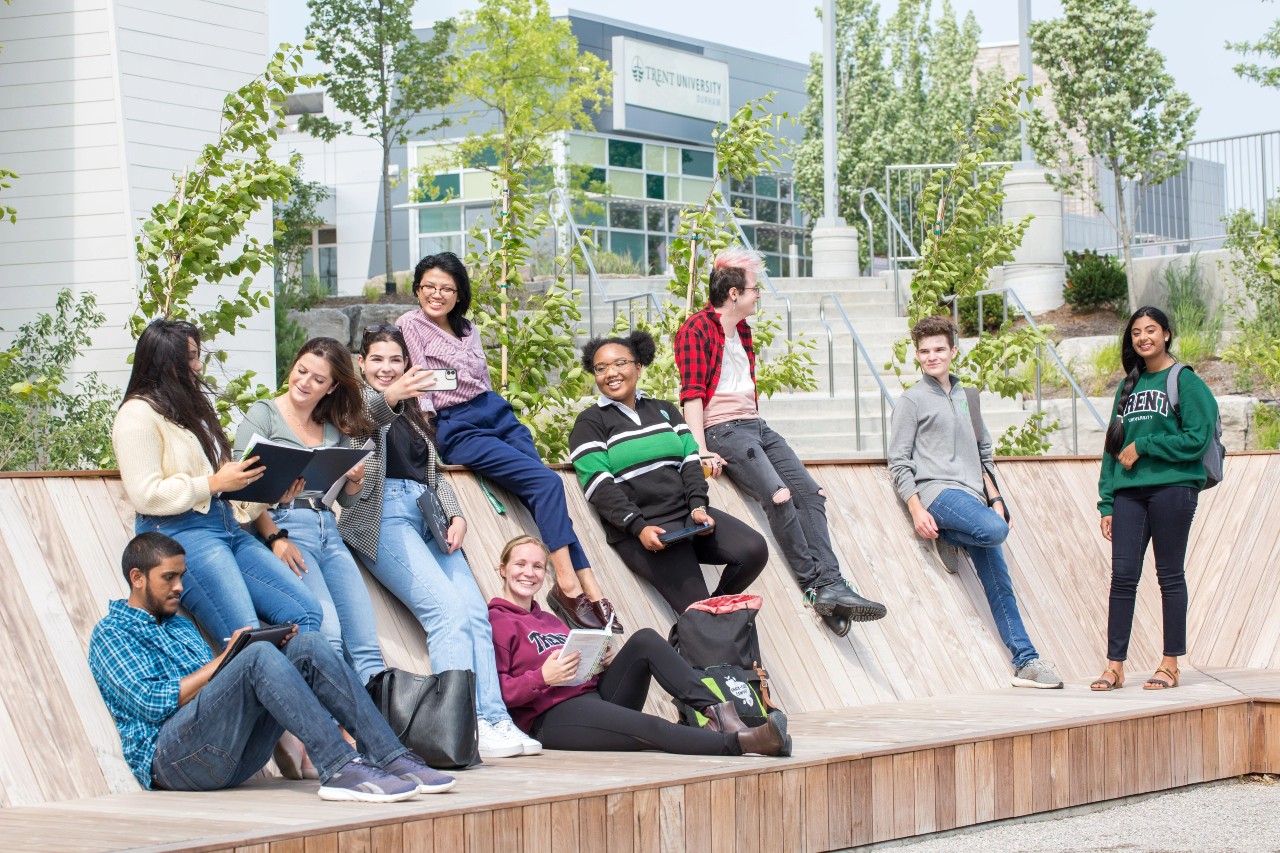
x=1077, y=393
x=652, y=305
x=575, y=234
x=856, y=347
x=891, y=220
x=764, y=274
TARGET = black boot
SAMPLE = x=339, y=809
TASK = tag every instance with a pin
x=839, y=623
x=769, y=739
x=724, y=718
x=839, y=598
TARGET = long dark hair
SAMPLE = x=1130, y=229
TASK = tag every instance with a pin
x=411, y=409
x=1134, y=366
x=162, y=377
x=344, y=407
x=457, y=270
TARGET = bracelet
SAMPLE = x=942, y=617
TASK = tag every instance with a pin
x=992, y=502
x=282, y=533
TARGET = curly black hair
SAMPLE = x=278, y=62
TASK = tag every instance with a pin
x=640, y=344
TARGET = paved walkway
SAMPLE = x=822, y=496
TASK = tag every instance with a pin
x=1239, y=815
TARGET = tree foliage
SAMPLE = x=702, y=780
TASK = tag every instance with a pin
x=382, y=75
x=197, y=236
x=1112, y=94
x=1268, y=46
x=44, y=425
x=295, y=220
x=966, y=239
x=902, y=86
x=532, y=83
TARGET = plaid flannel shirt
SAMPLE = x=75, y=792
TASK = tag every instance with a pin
x=699, y=352
x=138, y=663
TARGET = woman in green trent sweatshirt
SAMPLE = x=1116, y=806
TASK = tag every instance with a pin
x=1152, y=474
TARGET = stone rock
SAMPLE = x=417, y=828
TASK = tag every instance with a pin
x=1236, y=411
x=370, y=315
x=1076, y=351
x=323, y=322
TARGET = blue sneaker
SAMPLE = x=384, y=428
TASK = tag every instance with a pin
x=360, y=782
x=411, y=768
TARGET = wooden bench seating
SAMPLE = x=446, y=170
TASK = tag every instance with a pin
x=905, y=726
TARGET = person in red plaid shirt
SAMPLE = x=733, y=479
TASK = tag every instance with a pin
x=717, y=363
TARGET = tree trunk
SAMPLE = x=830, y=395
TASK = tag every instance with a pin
x=1126, y=240
x=386, y=213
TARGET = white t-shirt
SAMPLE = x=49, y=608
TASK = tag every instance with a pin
x=735, y=395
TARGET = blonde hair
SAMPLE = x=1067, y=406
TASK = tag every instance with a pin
x=524, y=539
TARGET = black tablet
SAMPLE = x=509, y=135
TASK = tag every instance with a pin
x=273, y=634
x=685, y=533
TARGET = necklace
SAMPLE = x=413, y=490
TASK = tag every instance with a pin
x=304, y=428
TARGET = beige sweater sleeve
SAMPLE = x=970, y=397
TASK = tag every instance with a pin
x=162, y=466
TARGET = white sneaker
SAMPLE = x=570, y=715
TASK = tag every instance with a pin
x=508, y=727
x=497, y=743
x=1038, y=673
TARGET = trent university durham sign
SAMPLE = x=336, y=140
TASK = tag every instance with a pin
x=669, y=81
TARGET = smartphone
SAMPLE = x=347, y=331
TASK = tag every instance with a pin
x=685, y=533
x=446, y=379
x=272, y=634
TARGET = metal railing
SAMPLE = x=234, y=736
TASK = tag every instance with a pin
x=1077, y=394
x=857, y=347
x=652, y=306
x=894, y=233
x=764, y=274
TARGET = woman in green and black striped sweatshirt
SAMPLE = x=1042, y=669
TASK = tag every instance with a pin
x=638, y=465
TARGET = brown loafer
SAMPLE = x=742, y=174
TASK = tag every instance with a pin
x=576, y=612
x=603, y=610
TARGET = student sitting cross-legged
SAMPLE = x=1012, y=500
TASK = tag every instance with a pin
x=603, y=712
x=184, y=730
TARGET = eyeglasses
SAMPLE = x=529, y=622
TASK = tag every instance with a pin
x=601, y=369
x=373, y=330
x=752, y=287
x=443, y=291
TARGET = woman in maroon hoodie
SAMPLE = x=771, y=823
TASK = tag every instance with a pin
x=603, y=713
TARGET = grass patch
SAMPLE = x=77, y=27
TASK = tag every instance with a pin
x=1266, y=426
x=1196, y=329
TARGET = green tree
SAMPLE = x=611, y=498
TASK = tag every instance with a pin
x=1266, y=46
x=965, y=240
x=382, y=75
x=1112, y=94
x=532, y=84
x=197, y=235
x=43, y=424
x=295, y=219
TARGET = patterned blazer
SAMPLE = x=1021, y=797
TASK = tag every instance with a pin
x=361, y=523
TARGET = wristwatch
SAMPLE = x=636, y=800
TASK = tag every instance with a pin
x=282, y=533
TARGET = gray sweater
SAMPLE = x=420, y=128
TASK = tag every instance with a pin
x=932, y=446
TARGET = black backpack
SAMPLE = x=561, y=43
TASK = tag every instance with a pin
x=718, y=636
x=1215, y=457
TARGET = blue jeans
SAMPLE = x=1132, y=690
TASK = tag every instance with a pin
x=334, y=579
x=232, y=578
x=226, y=733
x=441, y=592
x=968, y=523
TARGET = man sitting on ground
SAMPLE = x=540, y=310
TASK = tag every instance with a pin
x=182, y=731
x=717, y=363
x=945, y=475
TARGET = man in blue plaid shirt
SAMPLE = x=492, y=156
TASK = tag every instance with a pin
x=184, y=731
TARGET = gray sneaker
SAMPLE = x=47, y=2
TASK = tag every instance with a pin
x=1037, y=673
x=951, y=557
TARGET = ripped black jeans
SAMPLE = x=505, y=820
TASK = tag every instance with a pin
x=763, y=465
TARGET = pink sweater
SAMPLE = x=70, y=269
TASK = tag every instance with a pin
x=522, y=641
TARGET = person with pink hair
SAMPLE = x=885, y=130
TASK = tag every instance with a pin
x=717, y=364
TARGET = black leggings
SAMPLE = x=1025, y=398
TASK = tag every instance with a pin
x=609, y=718
x=1151, y=514
x=676, y=571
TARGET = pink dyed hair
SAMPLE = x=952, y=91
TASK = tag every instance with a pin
x=738, y=258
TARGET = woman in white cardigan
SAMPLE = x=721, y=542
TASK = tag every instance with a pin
x=174, y=463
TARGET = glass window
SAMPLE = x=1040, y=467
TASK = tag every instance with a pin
x=626, y=184
x=587, y=149
x=657, y=254
x=773, y=265
x=673, y=220
x=487, y=157
x=626, y=216
x=699, y=163
x=784, y=188
x=628, y=155
x=655, y=186
x=655, y=158
x=784, y=214
x=621, y=243
x=740, y=185
x=768, y=240
x=766, y=210
x=440, y=187
x=327, y=236
x=742, y=203
x=595, y=180
x=655, y=219
x=767, y=186
x=477, y=185
x=437, y=243
x=442, y=218
x=694, y=190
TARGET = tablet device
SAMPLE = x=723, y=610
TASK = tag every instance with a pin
x=272, y=634
x=677, y=535
x=446, y=379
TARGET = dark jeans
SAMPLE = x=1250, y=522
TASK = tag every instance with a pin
x=1160, y=515
x=676, y=571
x=226, y=733
x=610, y=718
x=761, y=462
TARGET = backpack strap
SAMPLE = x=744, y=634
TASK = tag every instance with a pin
x=1171, y=389
x=975, y=411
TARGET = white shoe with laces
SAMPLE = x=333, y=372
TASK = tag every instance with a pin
x=496, y=742
x=508, y=727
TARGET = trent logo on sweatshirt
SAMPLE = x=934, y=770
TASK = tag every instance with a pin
x=544, y=642
x=1152, y=401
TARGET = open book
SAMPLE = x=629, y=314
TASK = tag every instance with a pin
x=593, y=645
x=324, y=468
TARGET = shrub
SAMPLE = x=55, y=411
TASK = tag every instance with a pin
x=1197, y=329
x=1266, y=425
x=992, y=314
x=373, y=291
x=1103, y=365
x=1094, y=281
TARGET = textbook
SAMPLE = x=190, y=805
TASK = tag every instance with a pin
x=592, y=644
x=324, y=468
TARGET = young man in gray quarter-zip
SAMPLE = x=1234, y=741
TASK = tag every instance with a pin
x=944, y=474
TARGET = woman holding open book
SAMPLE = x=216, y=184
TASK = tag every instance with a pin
x=550, y=696
x=175, y=463
x=321, y=407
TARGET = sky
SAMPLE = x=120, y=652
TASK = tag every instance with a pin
x=1190, y=33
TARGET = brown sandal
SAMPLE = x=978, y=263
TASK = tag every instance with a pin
x=1154, y=683
x=1102, y=684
